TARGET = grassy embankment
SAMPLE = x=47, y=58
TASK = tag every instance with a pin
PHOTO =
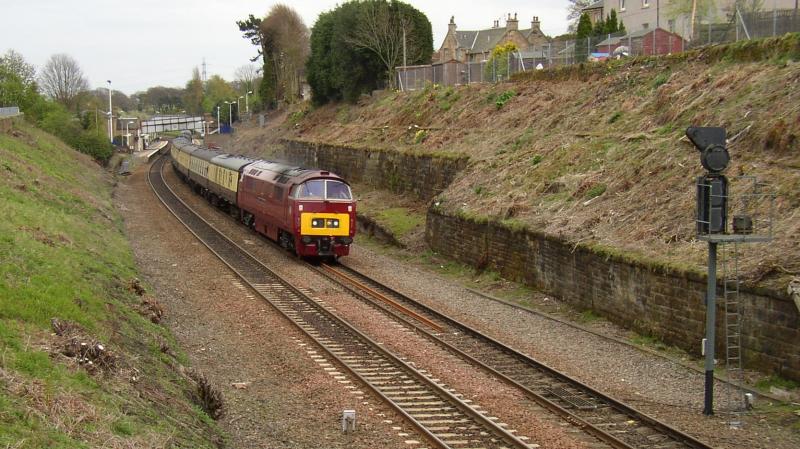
x=63, y=255
x=595, y=154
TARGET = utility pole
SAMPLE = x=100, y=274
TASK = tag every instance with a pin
x=110, y=129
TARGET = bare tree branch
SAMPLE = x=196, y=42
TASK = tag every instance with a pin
x=62, y=79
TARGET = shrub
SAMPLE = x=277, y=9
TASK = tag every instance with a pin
x=596, y=191
x=420, y=136
x=503, y=98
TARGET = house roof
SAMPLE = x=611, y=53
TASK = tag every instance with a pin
x=481, y=41
x=633, y=35
x=596, y=5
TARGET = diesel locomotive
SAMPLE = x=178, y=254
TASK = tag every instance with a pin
x=309, y=212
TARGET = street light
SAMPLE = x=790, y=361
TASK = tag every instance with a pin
x=246, y=105
x=230, y=113
x=217, y=119
x=127, y=134
x=110, y=130
x=237, y=104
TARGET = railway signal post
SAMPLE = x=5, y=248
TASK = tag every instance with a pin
x=750, y=223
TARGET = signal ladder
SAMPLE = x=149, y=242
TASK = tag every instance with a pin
x=733, y=329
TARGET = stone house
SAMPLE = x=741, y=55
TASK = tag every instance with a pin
x=595, y=11
x=474, y=46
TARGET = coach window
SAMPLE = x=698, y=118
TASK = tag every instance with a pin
x=337, y=190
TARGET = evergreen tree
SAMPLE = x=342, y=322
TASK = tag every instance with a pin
x=612, y=26
x=585, y=31
x=600, y=28
x=348, y=59
x=584, y=26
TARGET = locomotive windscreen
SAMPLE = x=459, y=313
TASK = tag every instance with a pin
x=320, y=188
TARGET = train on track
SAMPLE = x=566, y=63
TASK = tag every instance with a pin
x=311, y=213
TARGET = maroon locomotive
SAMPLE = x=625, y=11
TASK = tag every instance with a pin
x=310, y=212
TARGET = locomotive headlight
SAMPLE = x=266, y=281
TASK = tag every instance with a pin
x=317, y=223
x=333, y=222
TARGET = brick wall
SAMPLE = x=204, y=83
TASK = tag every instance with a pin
x=423, y=175
x=665, y=304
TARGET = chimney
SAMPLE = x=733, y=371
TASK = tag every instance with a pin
x=451, y=27
x=512, y=24
x=535, y=24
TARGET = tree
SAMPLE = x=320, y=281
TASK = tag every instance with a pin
x=599, y=28
x=497, y=67
x=251, y=28
x=384, y=28
x=584, y=32
x=574, y=12
x=246, y=76
x=286, y=36
x=62, y=80
x=340, y=68
x=218, y=91
x=162, y=99
x=15, y=63
x=193, y=94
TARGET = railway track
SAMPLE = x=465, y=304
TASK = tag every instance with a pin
x=435, y=411
x=613, y=422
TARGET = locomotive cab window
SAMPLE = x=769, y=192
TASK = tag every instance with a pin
x=337, y=190
x=322, y=189
x=314, y=189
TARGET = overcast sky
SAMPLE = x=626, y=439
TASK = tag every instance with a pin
x=144, y=43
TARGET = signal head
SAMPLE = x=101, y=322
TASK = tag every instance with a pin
x=710, y=141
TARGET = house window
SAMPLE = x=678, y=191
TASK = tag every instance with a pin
x=671, y=25
x=645, y=3
x=645, y=26
x=622, y=5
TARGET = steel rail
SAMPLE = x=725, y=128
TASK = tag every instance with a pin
x=496, y=435
x=677, y=436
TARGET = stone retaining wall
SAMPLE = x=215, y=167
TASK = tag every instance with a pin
x=666, y=305
x=423, y=175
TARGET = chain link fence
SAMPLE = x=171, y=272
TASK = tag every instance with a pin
x=646, y=42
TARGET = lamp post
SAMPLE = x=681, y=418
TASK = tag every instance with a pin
x=230, y=113
x=110, y=129
x=217, y=119
x=238, y=108
x=127, y=134
x=246, y=105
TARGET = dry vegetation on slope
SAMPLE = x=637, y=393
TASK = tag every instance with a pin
x=596, y=155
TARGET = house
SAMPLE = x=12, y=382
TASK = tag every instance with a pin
x=642, y=42
x=472, y=46
x=647, y=14
x=595, y=11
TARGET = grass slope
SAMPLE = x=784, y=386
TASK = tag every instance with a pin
x=595, y=154
x=63, y=255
